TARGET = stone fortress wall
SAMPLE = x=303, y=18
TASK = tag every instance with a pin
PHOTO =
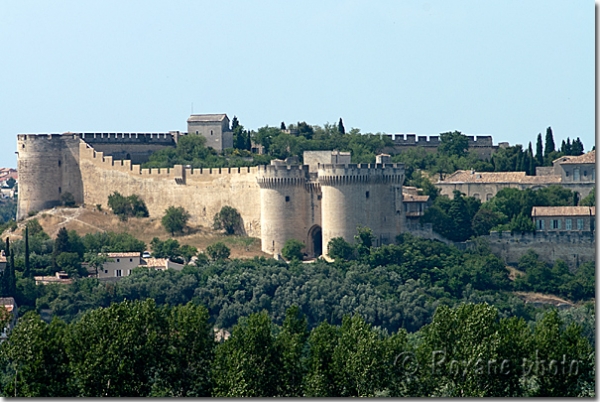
x=276, y=203
x=483, y=145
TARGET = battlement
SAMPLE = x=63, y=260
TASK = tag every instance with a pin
x=555, y=237
x=98, y=138
x=178, y=171
x=329, y=174
x=434, y=140
x=278, y=175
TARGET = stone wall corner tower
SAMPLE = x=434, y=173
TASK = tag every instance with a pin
x=213, y=127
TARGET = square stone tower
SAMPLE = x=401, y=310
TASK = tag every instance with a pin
x=214, y=127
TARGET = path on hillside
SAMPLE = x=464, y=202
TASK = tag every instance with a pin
x=69, y=218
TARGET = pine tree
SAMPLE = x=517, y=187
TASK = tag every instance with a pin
x=539, y=151
x=341, y=128
x=549, y=145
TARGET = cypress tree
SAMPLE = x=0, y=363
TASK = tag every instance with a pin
x=531, y=166
x=549, y=145
x=563, y=147
x=568, y=147
x=577, y=147
x=539, y=151
x=341, y=128
x=282, y=127
x=27, y=273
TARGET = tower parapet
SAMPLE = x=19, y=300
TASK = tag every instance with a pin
x=361, y=195
x=48, y=166
x=283, y=204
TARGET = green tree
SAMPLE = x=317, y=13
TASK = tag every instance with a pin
x=125, y=207
x=484, y=220
x=175, y=219
x=549, y=146
x=364, y=240
x=292, y=341
x=249, y=363
x=577, y=147
x=61, y=245
x=292, y=250
x=341, y=128
x=338, y=248
x=35, y=353
x=115, y=351
x=320, y=378
x=169, y=248
x=522, y=223
x=218, y=251
x=453, y=144
x=228, y=219
x=539, y=151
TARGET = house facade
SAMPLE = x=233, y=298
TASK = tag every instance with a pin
x=554, y=219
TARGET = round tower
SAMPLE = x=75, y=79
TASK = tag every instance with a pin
x=47, y=165
x=283, y=205
x=361, y=195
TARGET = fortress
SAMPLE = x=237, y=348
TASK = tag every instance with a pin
x=325, y=198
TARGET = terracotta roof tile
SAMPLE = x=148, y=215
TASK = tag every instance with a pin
x=122, y=255
x=207, y=117
x=563, y=211
x=590, y=157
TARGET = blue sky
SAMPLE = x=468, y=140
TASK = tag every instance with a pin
x=504, y=68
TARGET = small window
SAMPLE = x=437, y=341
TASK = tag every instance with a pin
x=579, y=224
x=568, y=224
x=131, y=260
x=540, y=224
x=211, y=132
x=23, y=146
x=367, y=194
x=585, y=173
x=567, y=173
x=59, y=190
x=576, y=175
x=106, y=271
x=287, y=198
x=196, y=131
x=118, y=260
x=319, y=197
x=118, y=272
x=59, y=163
x=555, y=223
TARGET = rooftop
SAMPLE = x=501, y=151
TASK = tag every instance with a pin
x=590, y=157
x=207, y=118
x=563, y=211
x=123, y=255
x=471, y=176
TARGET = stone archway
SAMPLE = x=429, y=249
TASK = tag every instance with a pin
x=315, y=241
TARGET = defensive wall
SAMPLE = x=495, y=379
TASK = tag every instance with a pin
x=573, y=247
x=483, y=145
x=202, y=192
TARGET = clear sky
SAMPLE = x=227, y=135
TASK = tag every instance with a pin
x=505, y=68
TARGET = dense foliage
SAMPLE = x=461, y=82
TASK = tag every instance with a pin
x=175, y=219
x=141, y=349
x=125, y=207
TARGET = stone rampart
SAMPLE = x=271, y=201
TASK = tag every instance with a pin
x=573, y=247
x=202, y=192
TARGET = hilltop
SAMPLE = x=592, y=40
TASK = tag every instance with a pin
x=89, y=220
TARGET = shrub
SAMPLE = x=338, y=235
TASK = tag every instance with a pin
x=125, y=207
x=218, y=251
x=292, y=250
x=67, y=199
x=228, y=219
x=338, y=248
x=175, y=219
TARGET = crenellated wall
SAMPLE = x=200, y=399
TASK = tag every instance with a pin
x=202, y=192
x=573, y=247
